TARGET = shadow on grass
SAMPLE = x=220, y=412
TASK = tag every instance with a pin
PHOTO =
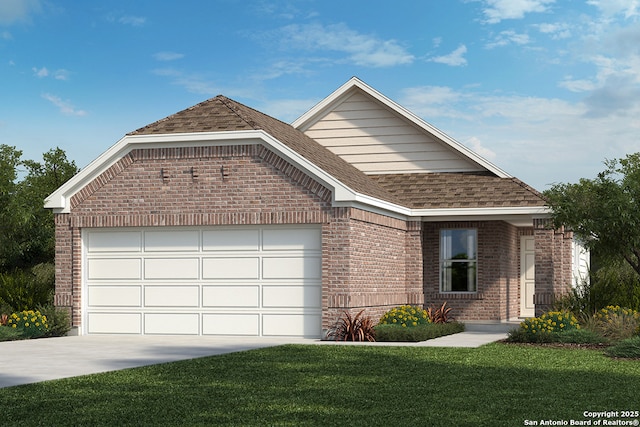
x=493, y=385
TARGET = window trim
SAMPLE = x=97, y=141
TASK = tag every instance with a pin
x=442, y=260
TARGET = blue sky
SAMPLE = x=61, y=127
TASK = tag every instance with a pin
x=545, y=89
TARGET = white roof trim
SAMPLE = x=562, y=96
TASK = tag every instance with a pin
x=311, y=116
x=59, y=199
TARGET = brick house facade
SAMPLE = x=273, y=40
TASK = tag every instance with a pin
x=223, y=166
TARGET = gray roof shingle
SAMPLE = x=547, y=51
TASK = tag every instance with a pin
x=416, y=191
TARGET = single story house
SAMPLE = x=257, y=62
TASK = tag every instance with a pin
x=221, y=220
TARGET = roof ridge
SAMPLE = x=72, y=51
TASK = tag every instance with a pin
x=171, y=116
x=232, y=104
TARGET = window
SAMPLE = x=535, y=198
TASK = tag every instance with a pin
x=458, y=261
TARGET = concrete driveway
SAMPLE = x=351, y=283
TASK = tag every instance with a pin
x=30, y=361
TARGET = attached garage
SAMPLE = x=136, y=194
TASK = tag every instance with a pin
x=225, y=280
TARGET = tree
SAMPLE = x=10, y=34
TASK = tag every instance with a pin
x=603, y=212
x=27, y=231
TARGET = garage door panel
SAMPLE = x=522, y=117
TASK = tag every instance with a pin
x=114, y=296
x=231, y=268
x=218, y=280
x=114, y=323
x=171, y=268
x=231, y=296
x=231, y=240
x=231, y=324
x=172, y=323
x=114, y=269
x=291, y=268
x=291, y=239
x=291, y=296
x=295, y=325
x=171, y=296
x=171, y=241
x=118, y=241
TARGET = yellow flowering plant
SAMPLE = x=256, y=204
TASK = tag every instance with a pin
x=405, y=316
x=542, y=328
x=31, y=324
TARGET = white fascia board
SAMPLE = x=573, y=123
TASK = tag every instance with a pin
x=308, y=118
x=59, y=199
x=458, y=213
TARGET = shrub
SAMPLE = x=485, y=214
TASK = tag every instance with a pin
x=545, y=327
x=616, y=323
x=423, y=332
x=58, y=320
x=22, y=290
x=9, y=334
x=30, y=324
x=405, y=316
x=629, y=348
x=353, y=328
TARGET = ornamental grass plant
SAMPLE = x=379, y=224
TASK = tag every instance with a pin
x=616, y=323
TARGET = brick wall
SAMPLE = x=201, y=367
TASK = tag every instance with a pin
x=554, y=274
x=497, y=295
x=373, y=262
x=365, y=263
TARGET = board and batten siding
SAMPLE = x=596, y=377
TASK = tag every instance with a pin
x=376, y=141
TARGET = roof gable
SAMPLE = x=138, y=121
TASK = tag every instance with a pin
x=377, y=135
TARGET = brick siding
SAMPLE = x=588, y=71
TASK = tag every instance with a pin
x=365, y=264
x=498, y=280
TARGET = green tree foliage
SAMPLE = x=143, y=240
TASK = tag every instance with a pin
x=604, y=212
x=27, y=235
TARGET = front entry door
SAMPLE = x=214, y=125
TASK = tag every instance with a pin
x=527, y=276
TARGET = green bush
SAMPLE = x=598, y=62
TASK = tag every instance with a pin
x=30, y=324
x=9, y=334
x=629, y=348
x=58, y=319
x=579, y=336
x=22, y=290
x=405, y=315
x=545, y=327
x=422, y=332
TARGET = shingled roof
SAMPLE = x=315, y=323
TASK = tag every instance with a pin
x=458, y=190
x=224, y=114
x=412, y=190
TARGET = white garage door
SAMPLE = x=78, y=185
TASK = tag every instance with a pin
x=258, y=281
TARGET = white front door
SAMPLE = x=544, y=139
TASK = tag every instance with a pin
x=527, y=276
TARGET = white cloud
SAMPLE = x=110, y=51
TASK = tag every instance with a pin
x=43, y=72
x=65, y=107
x=628, y=8
x=364, y=50
x=134, y=21
x=556, y=31
x=167, y=56
x=40, y=73
x=476, y=145
x=498, y=10
x=6, y=35
x=539, y=140
x=12, y=11
x=508, y=37
x=455, y=58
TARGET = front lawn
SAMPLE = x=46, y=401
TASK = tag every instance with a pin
x=325, y=385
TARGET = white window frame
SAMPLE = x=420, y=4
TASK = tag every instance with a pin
x=446, y=257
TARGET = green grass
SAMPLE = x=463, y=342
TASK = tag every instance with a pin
x=327, y=385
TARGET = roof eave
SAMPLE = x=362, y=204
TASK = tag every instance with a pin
x=59, y=199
